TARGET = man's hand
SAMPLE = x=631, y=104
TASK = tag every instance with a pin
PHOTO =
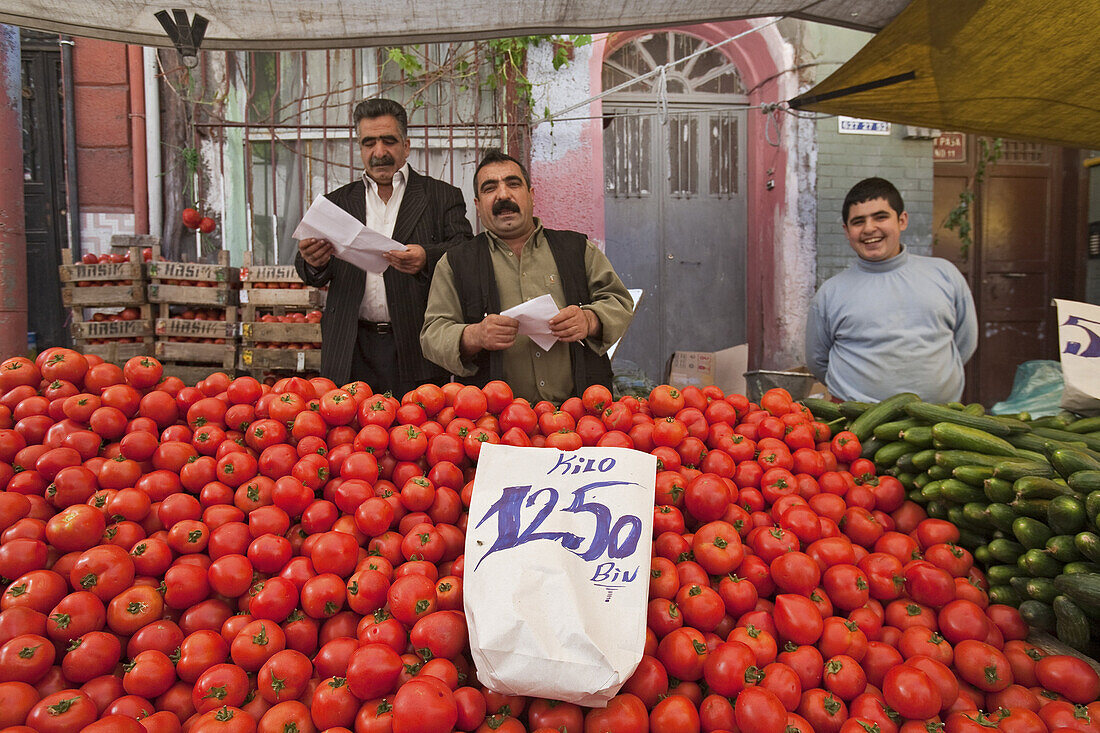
x=494, y=333
x=574, y=323
x=316, y=252
x=409, y=261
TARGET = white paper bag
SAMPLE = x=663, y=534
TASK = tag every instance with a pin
x=557, y=569
x=1079, y=348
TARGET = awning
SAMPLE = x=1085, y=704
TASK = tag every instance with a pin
x=302, y=24
x=1026, y=69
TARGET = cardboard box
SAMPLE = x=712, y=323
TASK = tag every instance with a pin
x=725, y=368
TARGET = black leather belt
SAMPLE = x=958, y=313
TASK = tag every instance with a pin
x=377, y=326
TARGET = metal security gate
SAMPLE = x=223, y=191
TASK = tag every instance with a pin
x=675, y=200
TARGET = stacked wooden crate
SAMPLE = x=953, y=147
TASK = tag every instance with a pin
x=280, y=322
x=196, y=320
x=109, y=312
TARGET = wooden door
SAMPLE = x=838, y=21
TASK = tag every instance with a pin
x=1028, y=231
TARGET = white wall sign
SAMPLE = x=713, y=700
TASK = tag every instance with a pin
x=860, y=126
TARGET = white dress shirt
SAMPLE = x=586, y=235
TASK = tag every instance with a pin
x=381, y=216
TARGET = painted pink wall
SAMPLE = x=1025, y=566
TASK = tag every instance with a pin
x=571, y=194
x=569, y=184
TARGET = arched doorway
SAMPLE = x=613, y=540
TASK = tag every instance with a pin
x=674, y=195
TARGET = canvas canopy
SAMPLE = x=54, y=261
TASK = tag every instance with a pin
x=1014, y=68
x=302, y=24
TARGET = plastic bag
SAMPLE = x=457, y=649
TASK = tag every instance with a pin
x=1037, y=389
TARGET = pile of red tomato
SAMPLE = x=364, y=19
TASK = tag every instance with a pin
x=236, y=557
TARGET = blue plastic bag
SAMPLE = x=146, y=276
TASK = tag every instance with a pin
x=1037, y=389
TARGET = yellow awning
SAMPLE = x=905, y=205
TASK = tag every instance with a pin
x=1024, y=69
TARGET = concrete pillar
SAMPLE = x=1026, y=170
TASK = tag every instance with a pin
x=13, y=237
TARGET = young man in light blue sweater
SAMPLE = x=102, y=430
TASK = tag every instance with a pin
x=893, y=321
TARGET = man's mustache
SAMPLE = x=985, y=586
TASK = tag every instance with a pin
x=505, y=205
x=376, y=161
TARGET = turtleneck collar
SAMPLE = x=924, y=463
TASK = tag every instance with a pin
x=889, y=265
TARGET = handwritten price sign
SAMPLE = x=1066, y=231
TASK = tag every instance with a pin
x=571, y=532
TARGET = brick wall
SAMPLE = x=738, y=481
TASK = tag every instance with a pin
x=102, y=110
x=843, y=160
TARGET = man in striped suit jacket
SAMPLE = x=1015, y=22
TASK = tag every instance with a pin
x=371, y=325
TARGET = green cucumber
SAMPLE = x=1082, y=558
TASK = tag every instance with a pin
x=1066, y=515
x=1005, y=550
x=938, y=413
x=1084, y=425
x=916, y=497
x=889, y=454
x=970, y=538
x=892, y=430
x=1039, y=487
x=1062, y=548
x=939, y=473
x=952, y=459
x=1038, y=615
x=1040, y=589
x=905, y=464
x=919, y=436
x=1029, y=441
x=1092, y=503
x=921, y=480
x=906, y=479
x=1081, y=567
x=973, y=475
x=977, y=514
x=889, y=409
x=983, y=557
x=1058, y=422
x=960, y=492
x=999, y=490
x=1039, y=564
x=1005, y=595
x=1013, y=469
x=1071, y=626
x=1085, y=481
x=937, y=509
x=1088, y=545
x=1084, y=589
x=933, y=491
x=925, y=459
x=1034, y=508
x=1068, y=461
x=1068, y=437
x=1001, y=516
x=1001, y=574
x=853, y=409
x=823, y=410
x=1031, y=533
x=965, y=437
x=869, y=447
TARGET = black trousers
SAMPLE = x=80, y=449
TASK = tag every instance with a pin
x=374, y=361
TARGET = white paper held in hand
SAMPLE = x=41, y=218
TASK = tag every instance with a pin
x=351, y=239
x=557, y=560
x=534, y=319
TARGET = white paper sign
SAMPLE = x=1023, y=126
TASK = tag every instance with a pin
x=556, y=577
x=1079, y=348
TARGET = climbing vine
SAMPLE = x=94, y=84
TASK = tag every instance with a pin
x=959, y=219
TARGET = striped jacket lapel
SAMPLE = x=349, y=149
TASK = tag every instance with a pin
x=413, y=206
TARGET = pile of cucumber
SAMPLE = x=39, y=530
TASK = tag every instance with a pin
x=1025, y=495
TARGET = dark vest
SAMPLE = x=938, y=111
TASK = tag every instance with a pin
x=476, y=284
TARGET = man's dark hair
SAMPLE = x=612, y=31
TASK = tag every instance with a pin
x=493, y=155
x=870, y=189
x=370, y=109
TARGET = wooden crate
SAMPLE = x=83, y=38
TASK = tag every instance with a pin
x=275, y=286
x=117, y=352
x=102, y=284
x=214, y=355
x=291, y=360
x=178, y=340
x=178, y=283
x=192, y=373
x=83, y=330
